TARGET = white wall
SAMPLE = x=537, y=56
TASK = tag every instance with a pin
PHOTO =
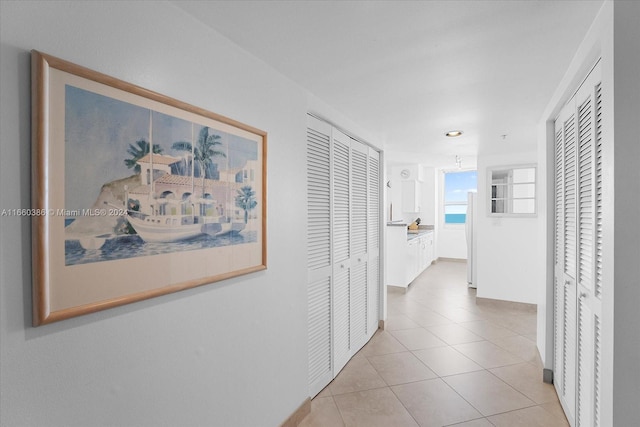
x=626, y=375
x=507, y=251
x=233, y=353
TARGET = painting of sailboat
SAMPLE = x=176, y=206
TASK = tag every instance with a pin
x=144, y=195
x=188, y=188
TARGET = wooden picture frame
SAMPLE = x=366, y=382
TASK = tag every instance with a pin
x=136, y=194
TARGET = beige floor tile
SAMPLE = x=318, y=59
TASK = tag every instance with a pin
x=482, y=422
x=325, y=392
x=373, y=408
x=399, y=321
x=487, y=393
x=524, y=324
x=487, y=329
x=527, y=379
x=418, y=338
x=382, y=343
x=433, y=403
x=426, y=318
x=446, y=361
x=357, y=375
x=520, y=346
x=457, y=314
x=504, y=342
x=487, y=354
x=454, y=334
x=324, y=413
x=554, y=408
x=528, y=417
x=400, y=368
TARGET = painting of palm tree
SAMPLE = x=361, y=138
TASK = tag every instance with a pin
x=203, y=152
x=246, y=199
x=138, y=151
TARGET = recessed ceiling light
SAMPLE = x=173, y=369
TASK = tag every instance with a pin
x=453, y=133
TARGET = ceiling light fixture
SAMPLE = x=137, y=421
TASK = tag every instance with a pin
x=453, y=133
x=459, y=161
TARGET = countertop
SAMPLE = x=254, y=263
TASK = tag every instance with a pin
x=422, y=229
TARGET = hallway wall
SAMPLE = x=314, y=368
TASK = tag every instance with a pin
x=507, y=247
x=230, y=353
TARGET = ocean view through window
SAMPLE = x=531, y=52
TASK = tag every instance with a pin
x=456, y=187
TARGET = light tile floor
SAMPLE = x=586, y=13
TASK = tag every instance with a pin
x=443, y=360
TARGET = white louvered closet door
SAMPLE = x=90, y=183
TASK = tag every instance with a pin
x=343, y=235
x=319, y=219
x=578, y=253
x=588, y=100
x=373, y=231
x=343, y=294
x=359, y=244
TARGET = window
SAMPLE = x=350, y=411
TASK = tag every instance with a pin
x=456, y=187
x=513, y=191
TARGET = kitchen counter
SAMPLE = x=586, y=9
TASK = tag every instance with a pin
x=408, y=253
x=412, y=235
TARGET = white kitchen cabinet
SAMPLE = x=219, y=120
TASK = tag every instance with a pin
x=412, y=265
x=407, y=256
x=429, y=249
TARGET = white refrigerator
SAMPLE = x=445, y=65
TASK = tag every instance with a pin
x=470, y=230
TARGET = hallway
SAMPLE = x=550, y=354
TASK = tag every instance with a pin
x=443, y=360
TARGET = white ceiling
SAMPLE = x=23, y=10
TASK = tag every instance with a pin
x=411, y=70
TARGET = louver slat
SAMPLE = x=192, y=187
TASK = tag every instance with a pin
x=584, y=360
x=342, y=314
x=374, y=203
x=359, y=202
x=596, y=371
x=569, y=197
x=585, y=202
x=373, y=282
x=341, y=201
x=374, y=293
x=558, y=332
x=559, y=179
x=598, y=193
x=318, y=206
x=569, y=343
x=319, y=328
x=359, y=302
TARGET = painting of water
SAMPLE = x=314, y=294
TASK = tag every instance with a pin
x=144, y=194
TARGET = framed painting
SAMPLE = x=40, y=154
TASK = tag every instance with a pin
x=136, y=194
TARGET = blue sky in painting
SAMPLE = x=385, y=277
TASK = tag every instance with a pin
x=98, y=130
